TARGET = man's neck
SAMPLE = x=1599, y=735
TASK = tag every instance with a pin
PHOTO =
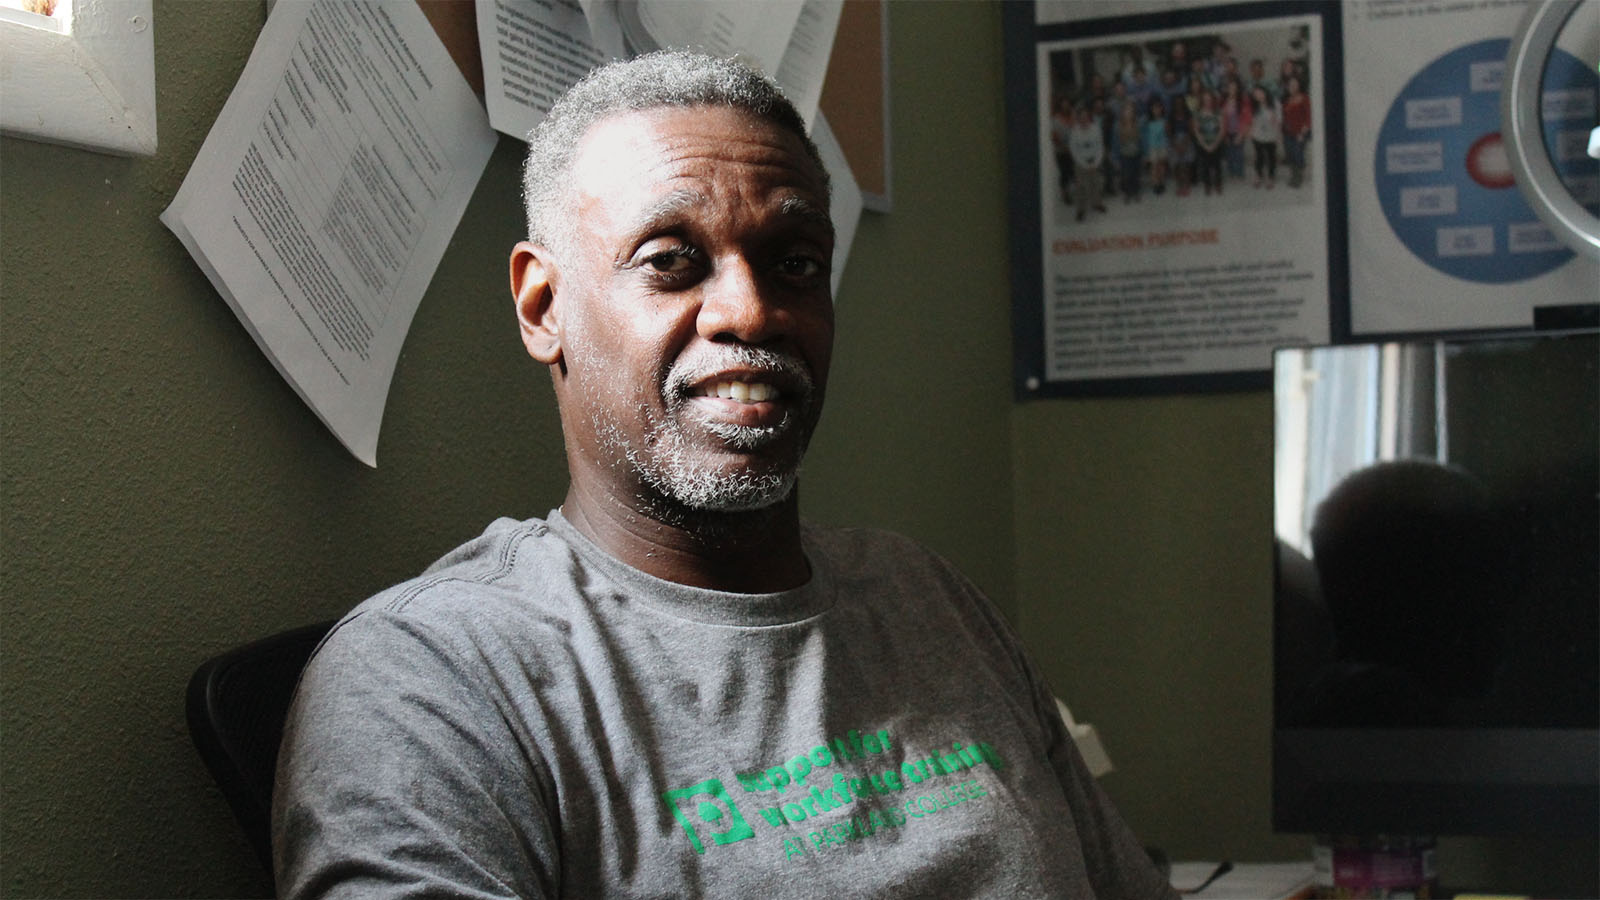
x=741, y=552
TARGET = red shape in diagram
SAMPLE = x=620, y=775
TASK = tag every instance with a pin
x=1488, y=164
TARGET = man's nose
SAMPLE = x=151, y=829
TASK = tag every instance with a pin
x=737, y=304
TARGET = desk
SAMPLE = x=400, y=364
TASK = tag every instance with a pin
x=1246, y=881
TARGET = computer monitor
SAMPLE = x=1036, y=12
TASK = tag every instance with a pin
x=1437, y=587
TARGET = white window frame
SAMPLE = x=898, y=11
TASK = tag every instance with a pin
x=92, y=85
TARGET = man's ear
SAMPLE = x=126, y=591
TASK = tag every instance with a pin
x=533, y=291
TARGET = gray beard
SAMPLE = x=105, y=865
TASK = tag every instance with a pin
x=707, y=491
x=669, y=471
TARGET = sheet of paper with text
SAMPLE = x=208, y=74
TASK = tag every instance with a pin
x=325, y=195
x=532, y=52
x=804, y=65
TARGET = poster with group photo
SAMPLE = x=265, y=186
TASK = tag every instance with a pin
x=1177, y=202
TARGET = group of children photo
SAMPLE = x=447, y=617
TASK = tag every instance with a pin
x=1131, y=118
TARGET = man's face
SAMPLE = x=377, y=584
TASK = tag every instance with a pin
x=696, y=318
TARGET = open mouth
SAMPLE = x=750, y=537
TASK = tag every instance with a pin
x=746, y=396
x=742, y=410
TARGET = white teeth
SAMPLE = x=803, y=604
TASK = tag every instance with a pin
x=743, y=391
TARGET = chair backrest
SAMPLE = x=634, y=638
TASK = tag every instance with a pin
x=236, y=706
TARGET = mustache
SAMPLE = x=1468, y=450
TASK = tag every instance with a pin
x=787, y=372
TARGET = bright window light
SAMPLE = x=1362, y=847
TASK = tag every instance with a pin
x=82, y=75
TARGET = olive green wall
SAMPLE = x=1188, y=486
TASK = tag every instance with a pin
x=164, y=495
x=1144, y=567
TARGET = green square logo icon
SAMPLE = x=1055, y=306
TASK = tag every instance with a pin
x=707, y=808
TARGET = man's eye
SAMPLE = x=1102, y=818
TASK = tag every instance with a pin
x=671, y=262
x=667, y=261
x=800, y=267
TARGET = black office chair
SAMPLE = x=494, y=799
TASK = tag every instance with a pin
x=236, y=706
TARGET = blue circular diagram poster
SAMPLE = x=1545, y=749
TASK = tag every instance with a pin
x=1443, y=175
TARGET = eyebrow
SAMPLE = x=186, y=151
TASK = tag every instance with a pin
x=807, y=212
x=668, y=208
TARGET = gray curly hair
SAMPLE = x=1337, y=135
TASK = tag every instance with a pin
x=671, y=78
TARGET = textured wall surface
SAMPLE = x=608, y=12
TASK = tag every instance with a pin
x=166, y=495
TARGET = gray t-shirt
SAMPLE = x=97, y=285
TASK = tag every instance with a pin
x=533, y=718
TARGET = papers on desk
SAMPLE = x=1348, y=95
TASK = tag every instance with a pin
x=324, y=196
x=1245, y=881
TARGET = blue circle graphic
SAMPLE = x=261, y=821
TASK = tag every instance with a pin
x=1441, y=171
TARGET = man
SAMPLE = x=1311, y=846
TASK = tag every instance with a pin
x=1260, y=79
x=670, y=687
x=1087, y=145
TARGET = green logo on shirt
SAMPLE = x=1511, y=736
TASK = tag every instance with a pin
x=708, y=805
x=706, y=808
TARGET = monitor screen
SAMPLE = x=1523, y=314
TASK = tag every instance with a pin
x=1437, y=589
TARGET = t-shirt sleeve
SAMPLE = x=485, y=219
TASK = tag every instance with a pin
x=1118, y=864
x=399, y=777
x=1119, y=867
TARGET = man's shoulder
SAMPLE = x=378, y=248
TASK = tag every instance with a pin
x=489, y=576
x=498, y=556
x=873, y=554
x=857, y=542
x=512, y=586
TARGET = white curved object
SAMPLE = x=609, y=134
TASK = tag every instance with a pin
x=1520, y=116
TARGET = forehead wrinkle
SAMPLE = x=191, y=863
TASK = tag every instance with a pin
x=668, y=210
